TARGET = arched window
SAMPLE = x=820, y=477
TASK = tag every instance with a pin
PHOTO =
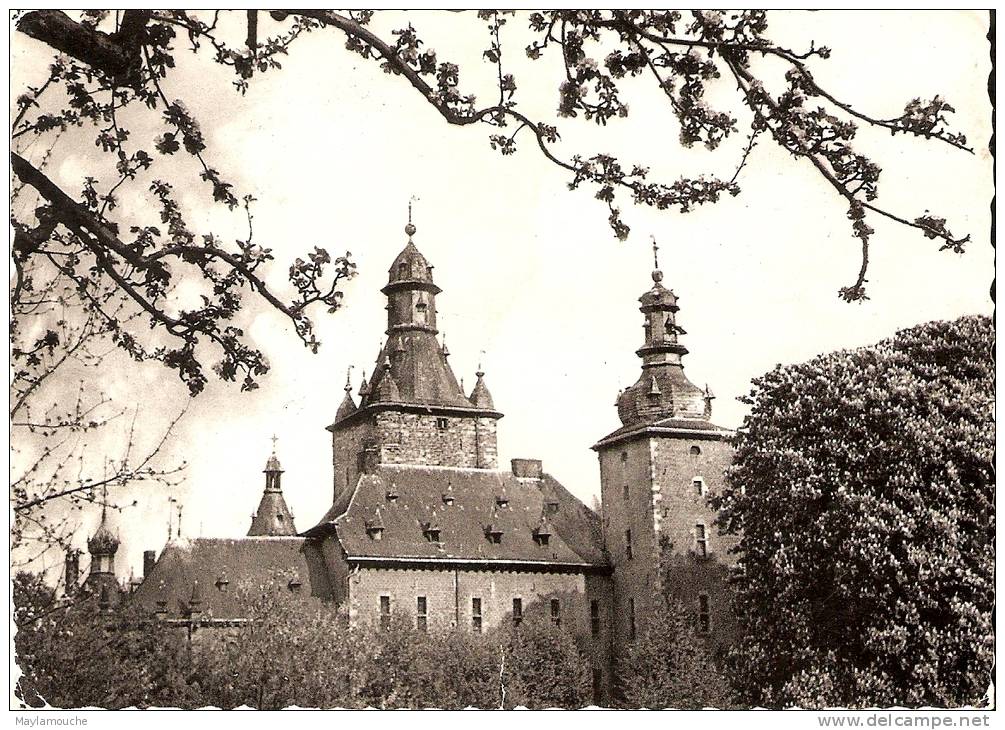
x=695, y=451
x=403, y=270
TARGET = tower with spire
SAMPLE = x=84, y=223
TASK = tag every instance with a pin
x=657, y=472
x=102, y=546
x=272, y=518
x=411, y=409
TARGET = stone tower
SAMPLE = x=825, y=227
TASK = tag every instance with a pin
x=412, y=410
x=273, y=518
x=656, y=473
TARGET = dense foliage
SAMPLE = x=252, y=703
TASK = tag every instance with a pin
x=670, y=665
x=863, y=488
x=290, y=653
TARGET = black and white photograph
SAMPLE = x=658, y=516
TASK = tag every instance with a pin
x=502, y=359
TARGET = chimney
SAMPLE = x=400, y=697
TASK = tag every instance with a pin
x=149, y=558
x=72, y=570
x=526, y=468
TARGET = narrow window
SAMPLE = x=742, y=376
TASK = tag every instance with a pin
x=595, y=618
x=598, y=684
x=704, y=614
x=556, y=612
x=441, y=424
x=385, y=612
x=625, y=491
x=476, y=615
x=699, y=486
x=517, y=611
x=700, y=540
x=624, y=457
x=628, y=545
x=420, y=613
x=420, y=308
x=631, y=619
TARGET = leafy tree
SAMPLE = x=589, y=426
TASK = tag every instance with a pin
x=863, y=488
x=543, y=665
x=74, y=654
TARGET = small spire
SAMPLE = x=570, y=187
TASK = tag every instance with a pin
x=443, y=346
x=657, y=274
x=364, y=388
x=348, y=385
x=410, y=228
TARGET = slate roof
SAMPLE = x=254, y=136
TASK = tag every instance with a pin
x=254, y=561
x=272, y=517
x=699, y=428
x=481, y=499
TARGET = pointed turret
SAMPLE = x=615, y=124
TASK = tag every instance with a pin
x=348, y=405
x=386, y=390
x=480, y=396
x=273, y=517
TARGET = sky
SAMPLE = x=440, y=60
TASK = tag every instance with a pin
x=535, y=286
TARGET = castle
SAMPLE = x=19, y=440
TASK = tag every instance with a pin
x=425, y=524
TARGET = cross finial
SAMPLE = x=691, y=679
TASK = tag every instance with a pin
x=348, y=375
x=274, y=440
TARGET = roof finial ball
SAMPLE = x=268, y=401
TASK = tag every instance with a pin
x=410, y=229
x=657, y=274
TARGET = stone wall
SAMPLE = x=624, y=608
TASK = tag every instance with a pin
x=663, y=501
x=449, y=593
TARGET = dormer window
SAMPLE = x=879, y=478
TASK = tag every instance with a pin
x=403, y=270
x=541, y=536
x=502, y=500
x=222, y=583
x=294, y=584
x=392, y=494
x=494, y=534
x=374, y=531
x=431, y=532
x=551, y=507
x=448, y=498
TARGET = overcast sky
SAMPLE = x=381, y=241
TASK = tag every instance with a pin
x=333, y=149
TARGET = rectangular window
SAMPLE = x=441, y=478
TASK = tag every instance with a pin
x=628, y=545
x=700, y=540
x=595, y=618
x=476, y=615
x=699, y=486
x=625, y=494
x=556, y=612
x=704, y=614
x=385, y=611
x=631, y=619
x=420, y=613
x=441, y=423
x=517, y=611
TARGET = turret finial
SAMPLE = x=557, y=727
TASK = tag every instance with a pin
x=657, y=274
x=410, y=228
x=348, y=374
